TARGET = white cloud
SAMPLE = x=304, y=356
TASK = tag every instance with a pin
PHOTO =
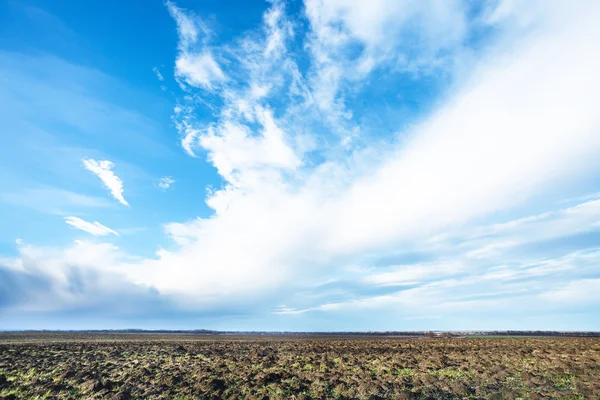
x=277, y=221
x=233, y=149
x=502, y=290
x=288, y=311
x=385, y=25
x=413, y=274
x=195, y=64
x=474, y=155
x=94, y=228
x=579, y=291
x=493, y=240
x=103, y=170
x=190, y=135
x=521, y=123
x=81, y=275
x=240, y=153
x=189, y=27
x=350, y=39
x=200, y=70
x=165, y=182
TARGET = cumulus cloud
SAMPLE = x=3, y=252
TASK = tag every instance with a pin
x=80, y=279
x=94, y=228
x=103, y=170
x=234, y=149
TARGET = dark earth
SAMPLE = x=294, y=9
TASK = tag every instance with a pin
x=104, y=366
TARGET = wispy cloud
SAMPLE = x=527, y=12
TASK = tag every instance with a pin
x=199, y=70
x=195, y=63
x=158, y=74
x=264, y=70
x=288, y=311
x=103, y=170
x=94, y=228
x=414, y=274
x=53, y=200
x=350, y=40
x=165, y=182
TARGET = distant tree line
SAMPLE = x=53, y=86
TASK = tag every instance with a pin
x=537, y=333
x=332, y=334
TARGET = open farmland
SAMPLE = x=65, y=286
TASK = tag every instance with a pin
x=86, y=366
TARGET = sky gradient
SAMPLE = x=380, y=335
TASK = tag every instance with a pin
x=309, y=165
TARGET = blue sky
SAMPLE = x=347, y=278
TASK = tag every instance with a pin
x=299, y=165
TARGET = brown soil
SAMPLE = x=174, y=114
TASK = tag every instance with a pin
x=188, y=367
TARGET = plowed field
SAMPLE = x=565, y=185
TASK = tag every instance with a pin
x=188, y=367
